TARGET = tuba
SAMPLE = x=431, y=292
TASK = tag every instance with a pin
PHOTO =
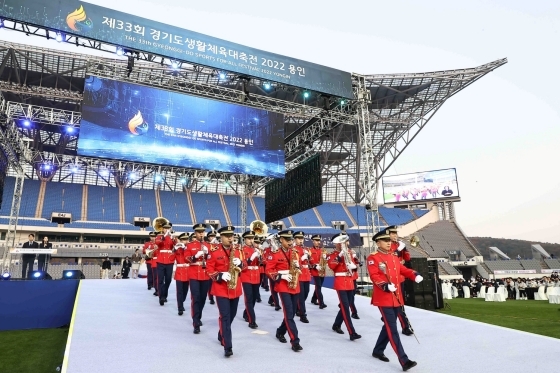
x=259, y=227
x=414, y=241
x=158, y=223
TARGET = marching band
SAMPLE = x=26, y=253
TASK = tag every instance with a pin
x=224, y=267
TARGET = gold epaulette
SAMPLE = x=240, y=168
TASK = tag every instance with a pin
x=274, y=250
x=213, y=248
x=374, y=253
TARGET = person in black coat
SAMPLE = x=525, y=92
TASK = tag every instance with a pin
x=105, y=268
x=28, y=259
x=42, y=258
x=126, y=267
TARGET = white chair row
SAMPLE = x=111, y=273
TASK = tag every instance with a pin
x=446, y=291
x=553, y=294
x=496, y=295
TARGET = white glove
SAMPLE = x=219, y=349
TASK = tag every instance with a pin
x=392, y=288
x=236, y=261
x=324, y=256
x=204, y=249
x=352, y=266
x=226, y=276
x=296, y=263
x=318, y=267
x=354, y=255
x=418, y=279
x=199, y=254
x=287, y=277
x=168, y=233
x=254, y=255
x=304, y=257
x=341, y=254
x=284, y=271
x=179, y=245
x=401, y=246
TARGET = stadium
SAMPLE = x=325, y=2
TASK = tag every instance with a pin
x=95, y=191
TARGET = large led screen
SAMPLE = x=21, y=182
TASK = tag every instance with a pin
x=421, y=186
x=142, y=124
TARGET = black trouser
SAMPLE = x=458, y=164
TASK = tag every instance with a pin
x=150, y=276
x=352, y=296
x=522, y=293
x=126, y=271
x=164, y=273
x=250, y=292
x=264, y=281
x=182, y=289
x=289, y=304
x=210, y=296
x=318, y=293
x=199, y=291
x=155, y=278
x=41, y=259
x=303, y=293
x=228, y=310
x=27, y=266
x=273, y=294
x=344, y=297
x=389, y=334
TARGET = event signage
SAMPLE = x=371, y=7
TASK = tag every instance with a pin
x=136, y=123
x=549, y=270
x=129, y=31
x=421, y=186
x=515, y=272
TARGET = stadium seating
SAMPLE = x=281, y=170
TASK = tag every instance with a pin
x=419, y=213
x=552, y=263
x=28, y=203
x=62, y=197
x=175, y=207
x=209, y=206
x=233, y=204
x=9, y=185
x=504, y=265
x=306, y=219
x=449, y=268
x=531, y=264
x=333, y=211
x=102, y=203
x=394, y=216
x=259, y=204
x=442, y=236
x=139, y=202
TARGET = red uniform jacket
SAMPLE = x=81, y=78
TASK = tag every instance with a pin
x=165, y=252
x=148, y=246
x=197, y=266
x=394, y=270
x=403, y=254
x=218, y=261
x=182, y=270
x=357, y=263
x=305, y=273
x=262, y=263
x=342, y=279
x=279, y=261
x=315, y=259
x=252, y=275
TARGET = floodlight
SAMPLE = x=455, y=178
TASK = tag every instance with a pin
x=59, y=37
x=305, y=94
x=267, y=86
x=120, y=51
x=222, y=76
x=6, y=276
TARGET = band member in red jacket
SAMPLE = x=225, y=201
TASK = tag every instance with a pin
x=273, y=300
x=210, y=239
x=341, y=263
x=304, y=277
x=257, y=241
x=196, y=254
x=224, y=287
x=148, y=246
x=385, y=270
x=355, y=276
x=317, y=255
x=251, y=278
x=165, y=260
x=399, y=248
x=278, y=265
x=181, y=272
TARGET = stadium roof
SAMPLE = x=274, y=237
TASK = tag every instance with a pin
x=46, y=85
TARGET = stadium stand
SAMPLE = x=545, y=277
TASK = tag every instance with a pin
x=30, y=198
x=175, y=207
x=330, y=211
x=503, y=265
x=233, y=203
x=306, y=219
x=442, y=236
x=9, y=185
x=358, y=212
x=102, y=225
x=448, y=268
x=139, y=202
x=531, y=264
x=395, y=216
x=29, y=222
x=552, y=263
x=419, y=213
x=62, y=197
x=208, y=206
x=102, y=203
x=259, y=204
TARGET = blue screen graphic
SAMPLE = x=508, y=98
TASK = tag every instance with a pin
x=142, y=124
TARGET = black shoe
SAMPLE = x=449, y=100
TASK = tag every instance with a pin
x=196, y=330
x=337, y=329
x=381, y=357
x=266, y=289
x=213, y=302
x=253, y=325
x=245, y=318
x=161, y=302
x=277, y=308
x=271, y=304
x=304, y=319
x=281, y=337
x=407, y=331
x=149, y=288
x=164, y=300
x=322, y=306
x=297, y=347
x=228, y=352
x=200, y=323
x=220, y=339
x=298, y=314
x=259, y=300
x=355, y=316
x=314, y=302
x=355, y=336
x=180, y=312
x=409, y=364
x=155, y=293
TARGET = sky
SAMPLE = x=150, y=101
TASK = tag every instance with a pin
x=502, y=133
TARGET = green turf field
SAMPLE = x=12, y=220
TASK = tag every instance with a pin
x=531, y=316
x=37, y=351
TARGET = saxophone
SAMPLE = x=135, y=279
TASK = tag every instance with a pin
x=294, y=269
x=233, y=269
x=323, y=263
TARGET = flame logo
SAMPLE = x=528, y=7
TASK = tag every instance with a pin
x=78, y=19
x=136, y=125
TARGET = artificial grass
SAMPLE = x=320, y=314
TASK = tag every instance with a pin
x=531, y=316
x=37, y=351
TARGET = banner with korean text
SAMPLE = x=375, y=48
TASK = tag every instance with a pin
x=129, y=31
